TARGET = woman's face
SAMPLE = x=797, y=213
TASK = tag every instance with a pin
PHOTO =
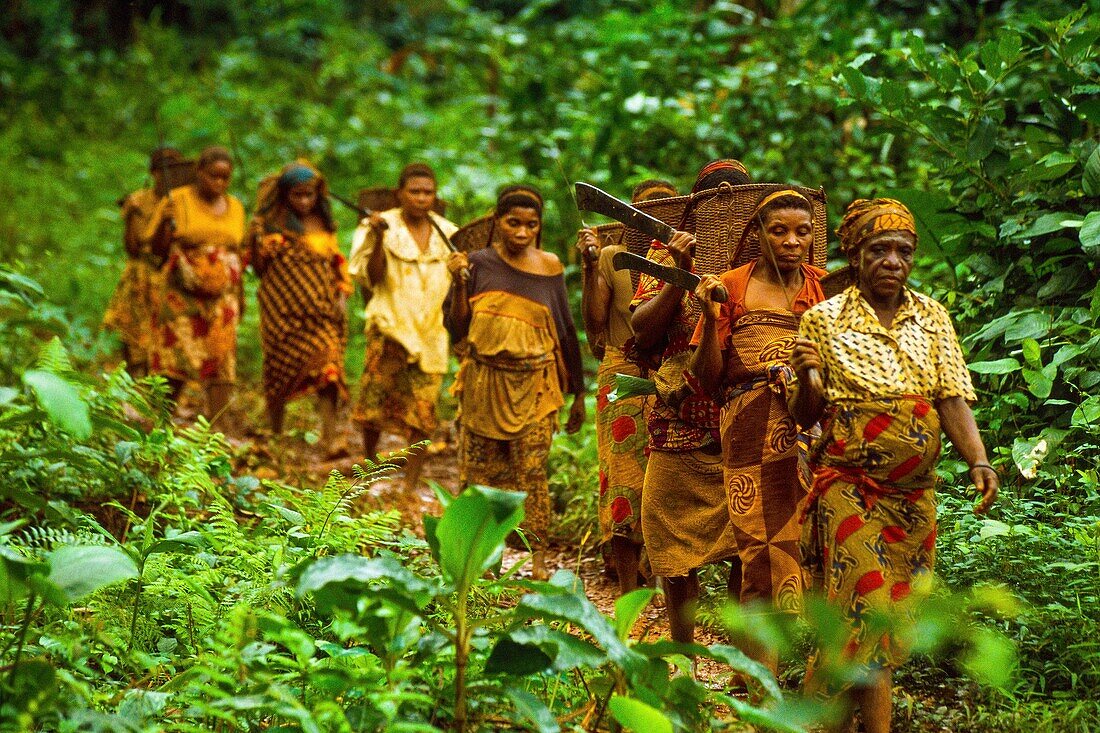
x=788, y=234
x=213, y=178
x=884, y=262
x=417, y=196
x=302, y=197
x=519, y=227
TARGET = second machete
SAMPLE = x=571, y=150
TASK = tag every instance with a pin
x=680, y=278
x=590, y=198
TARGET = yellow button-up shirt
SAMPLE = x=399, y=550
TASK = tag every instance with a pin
x=407, y=306
x=918, y=354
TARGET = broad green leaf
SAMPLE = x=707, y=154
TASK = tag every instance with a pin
x=62, y=402
x=991, y=658
x=1027, y=324
x=997, y=366
x=1033, y=354
x=573, y=607
x=472, y=530
x=984, y=138
x=78, y=570
x=184, y=543
x=764, y=718
x=533, y=710
x=1040, y=381
x=1087, y=414
x=516, y=659
x=1028, y=453
x=1052, y=165
x=635, y=715
x=1090, y=181
x=566, y=650
x=1009, y=46
x=340, y=581
x=628, y=607
x=627, y=385
x=1045, y=224
x=857, y=82
x=1090, y=235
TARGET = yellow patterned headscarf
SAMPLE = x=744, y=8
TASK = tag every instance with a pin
x=866, y=218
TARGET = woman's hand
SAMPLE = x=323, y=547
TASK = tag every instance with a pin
x=588, y=246
x=459, y=266
x=377, y=223
x=682, y=248
x=704, y=292
x=987, y=483
x=576, y=414
x=804, y=357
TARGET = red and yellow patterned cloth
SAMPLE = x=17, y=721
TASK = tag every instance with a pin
x=682, y=418
x=621, y=438
x=869, y=537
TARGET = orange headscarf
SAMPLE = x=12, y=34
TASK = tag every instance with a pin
x=866, y=218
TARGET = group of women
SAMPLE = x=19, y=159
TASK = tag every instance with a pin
x=792, y=436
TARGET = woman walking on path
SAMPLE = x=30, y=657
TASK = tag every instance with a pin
x=197, y=230
x=742, y=355
x=304, y=286
x=685, y=523
x=620, y=425
x=130, y=310
x=509, y=302
x=400, y=257
x=893, y=375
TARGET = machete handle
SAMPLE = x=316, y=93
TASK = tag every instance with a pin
x=813, y=378
x=719, y=294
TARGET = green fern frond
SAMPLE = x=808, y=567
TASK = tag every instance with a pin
x=54, y=358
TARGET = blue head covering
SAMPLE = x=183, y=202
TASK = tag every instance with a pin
x=296, y=174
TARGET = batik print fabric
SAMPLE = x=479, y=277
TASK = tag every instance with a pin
x=303, y=287
x=763, y=453
x=869, y=535
x=130, y=310
x=518, y=464
x=194, y=333
x=393, y=391
x=621, y=439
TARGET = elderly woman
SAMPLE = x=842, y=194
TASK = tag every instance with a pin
x=620, y=425
x=892, y=376
x=197, y=229
x=742, y=356
x=304, y=285
x=509, y=303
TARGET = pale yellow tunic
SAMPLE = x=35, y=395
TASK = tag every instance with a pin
x=407, y=306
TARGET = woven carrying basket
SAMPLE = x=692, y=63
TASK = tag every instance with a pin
x=837, y=281
x=608, y=234
x=383, y=198
x=475, y=235
x=669, y=210
x=176, y=173
x=722, y=214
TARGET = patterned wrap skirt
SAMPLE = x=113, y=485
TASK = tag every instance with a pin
x=302, y=325
x=395, y=393
x=621, y=440
x=869, y=532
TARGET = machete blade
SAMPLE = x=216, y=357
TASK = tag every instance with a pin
x=590, y=198
x=674, y=275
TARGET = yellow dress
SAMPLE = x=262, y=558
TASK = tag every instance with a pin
x=194, y=334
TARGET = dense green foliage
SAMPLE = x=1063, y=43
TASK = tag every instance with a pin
x=982, y=117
